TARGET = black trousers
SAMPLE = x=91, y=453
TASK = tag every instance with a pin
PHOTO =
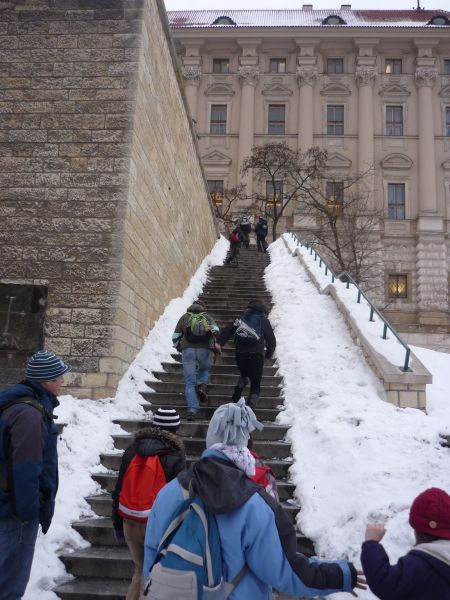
x=250, y=365
x=261, y=243
x=233, y=253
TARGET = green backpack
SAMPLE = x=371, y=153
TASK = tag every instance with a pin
x=198, y=330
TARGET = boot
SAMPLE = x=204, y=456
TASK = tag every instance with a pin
x=202, y=393
x=253, y=401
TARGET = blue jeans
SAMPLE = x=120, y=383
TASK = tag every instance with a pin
x=17, y=541
x=196, y=368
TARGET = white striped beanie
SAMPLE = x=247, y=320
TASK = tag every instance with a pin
x=167, y=418
x=45, y=366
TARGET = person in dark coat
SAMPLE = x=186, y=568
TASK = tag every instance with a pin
x=261, y=230
x=424, y=573
x=236, y=238
x=159, y=440
x=246, y=228
x=250, y=356
x=28, y=467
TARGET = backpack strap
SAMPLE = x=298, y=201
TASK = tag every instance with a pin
x=236, y=580
x=31, y=402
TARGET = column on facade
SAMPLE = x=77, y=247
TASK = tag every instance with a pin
x=306, y=78
x=425, y=78
x=365, y=76
x=248, y=77
x=192, y=73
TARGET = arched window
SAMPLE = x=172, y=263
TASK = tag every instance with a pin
x=439, y=20
x=333, y=20
x=224, y=21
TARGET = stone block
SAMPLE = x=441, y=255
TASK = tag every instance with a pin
x=82, y=347
x=110, y=365
x=409, y=399
x=392, y=396
x=58, y=345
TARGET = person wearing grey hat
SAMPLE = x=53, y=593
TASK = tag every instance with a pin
x=254, y=531
x=159, y=440
x=28, y=466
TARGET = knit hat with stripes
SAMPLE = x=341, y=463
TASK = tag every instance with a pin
x=166, y=418
x=45, y=366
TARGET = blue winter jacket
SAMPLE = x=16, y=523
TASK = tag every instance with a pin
x=254, y=530
x=28, y=455
x=423, y=574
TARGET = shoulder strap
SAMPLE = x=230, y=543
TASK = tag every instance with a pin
x=31, y=402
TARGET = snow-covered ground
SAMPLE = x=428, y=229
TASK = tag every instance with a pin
x=357, y=458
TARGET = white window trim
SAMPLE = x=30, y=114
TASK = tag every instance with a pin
x=393, y=102
x=325, y=118
x=208, y=116
x=396, y=179
x=266, y=117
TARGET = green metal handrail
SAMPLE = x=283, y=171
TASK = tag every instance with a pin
x=347, y=278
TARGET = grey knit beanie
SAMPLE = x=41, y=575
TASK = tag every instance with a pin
x=232, y=424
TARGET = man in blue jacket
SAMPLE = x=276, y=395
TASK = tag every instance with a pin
x=253, y=528
x=28, y=467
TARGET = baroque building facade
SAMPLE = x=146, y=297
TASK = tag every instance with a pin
x=372, y=87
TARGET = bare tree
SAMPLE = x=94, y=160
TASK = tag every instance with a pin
x=227, y=205
x=287, y=172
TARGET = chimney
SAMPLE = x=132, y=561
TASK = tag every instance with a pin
x=346, y=6
x=307, y=7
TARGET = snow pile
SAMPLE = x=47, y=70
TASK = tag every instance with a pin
x=357, y=457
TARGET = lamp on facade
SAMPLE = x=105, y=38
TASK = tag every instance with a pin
x=334, y=205
x=217, y=198
x=273, y=200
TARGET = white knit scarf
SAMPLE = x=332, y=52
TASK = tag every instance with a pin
x=240, y=455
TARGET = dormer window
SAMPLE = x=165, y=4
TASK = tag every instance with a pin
x=439, y=20
x=224, y=21
x=333, y=20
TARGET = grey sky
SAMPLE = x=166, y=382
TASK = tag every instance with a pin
x=281, y=4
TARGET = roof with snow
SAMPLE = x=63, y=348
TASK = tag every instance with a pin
x=230, y=19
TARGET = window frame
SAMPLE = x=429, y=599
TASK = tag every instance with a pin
x=333, y=124
x=220, y=61
x=393, y=62
x=393, y=123
x=396, y=210
x=277, y=61
x=405, y=286
x=335, y=60
x=334, y=190
x=447, y=121
x=273, y=123
x=218, y=123
x=214, y=189
x=446, y=66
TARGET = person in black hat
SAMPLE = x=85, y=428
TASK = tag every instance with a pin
x=155, y=457
x=28, y=466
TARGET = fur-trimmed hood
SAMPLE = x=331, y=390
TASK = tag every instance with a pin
x=152, y=441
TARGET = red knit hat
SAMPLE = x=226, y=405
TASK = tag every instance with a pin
x=430, y=513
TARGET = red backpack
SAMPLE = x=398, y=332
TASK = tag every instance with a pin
x=140, y=485
x=264, y=476
x=234, y=238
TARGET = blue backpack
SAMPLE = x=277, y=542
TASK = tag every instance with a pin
x=249, y=328
x=188, y=565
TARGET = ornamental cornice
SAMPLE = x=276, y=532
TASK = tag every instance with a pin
x=365, y=75
x=425, y=76
x=192, y=74
x=248, y=75
x=306, y=75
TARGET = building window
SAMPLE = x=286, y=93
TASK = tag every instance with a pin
x=447, y=121
x=447, y=66
x=335, y=65
x=335, y=119
x=396, y=201
x=333, y=20
x=277, y=65
x=277, y=119
x=394, y=120
x=335, y=196
x=397, y=286
x=215, y=187
x=223, y=20
x=221, y=65
x=274, y=193
x=393, y=66
x=218, y=119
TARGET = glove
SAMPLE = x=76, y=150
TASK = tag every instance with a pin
x=119, y=536
x=46, y=515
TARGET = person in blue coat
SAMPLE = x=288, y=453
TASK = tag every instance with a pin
x=423, y=573
x=253, y=528
x=28, y=467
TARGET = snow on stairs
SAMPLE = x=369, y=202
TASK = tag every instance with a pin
x=102, y=571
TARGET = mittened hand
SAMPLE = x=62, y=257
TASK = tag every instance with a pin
x=375, y=532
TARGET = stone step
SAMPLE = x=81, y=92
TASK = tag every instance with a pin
x=280, y=467
x=274, y=403
x=112, y=562
x=196, y=445
x=217, y=369
x=206, y=412
x=108, y=480
x=213, y=390
x=214, y=378
x=233, y=295
x=271, y=431
x=228, y=358
x=93, y=588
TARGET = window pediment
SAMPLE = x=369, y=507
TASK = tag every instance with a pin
x=446, y=164
x=396, y=161
x=277, y=90
x=445, y=91
x=219, y=89
x=335, y=89
x=396, y=90
x=338, y=161
x=216, y=158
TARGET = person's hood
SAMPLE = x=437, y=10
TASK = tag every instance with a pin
x=153, y=441
x=437, y=555
x=29, y=388
x=256, y=307
x=221, y=485
x=196, y=308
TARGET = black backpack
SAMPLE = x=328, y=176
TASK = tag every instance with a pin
x=249, y=328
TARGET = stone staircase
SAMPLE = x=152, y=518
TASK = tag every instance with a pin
x=102, y=571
